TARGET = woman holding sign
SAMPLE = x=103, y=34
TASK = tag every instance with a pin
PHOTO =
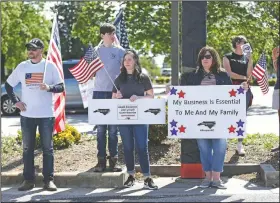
x=133, y=84
x=212, y=151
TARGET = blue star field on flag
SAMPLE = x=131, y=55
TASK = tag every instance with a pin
x=121, y=30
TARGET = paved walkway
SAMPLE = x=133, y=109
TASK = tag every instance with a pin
x=169, y=191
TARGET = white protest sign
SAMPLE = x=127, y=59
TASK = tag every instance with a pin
x=123, y=111
x=86, y=91
x=213, y=111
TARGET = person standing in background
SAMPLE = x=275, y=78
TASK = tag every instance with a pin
x=111, y=56
x=239, y=67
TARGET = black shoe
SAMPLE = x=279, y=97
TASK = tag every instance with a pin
x=129, y=182
x=275, y=149
x=50, y=186
x=26, y=185
x=149, y=184
x=101, y=165
x=113, y=166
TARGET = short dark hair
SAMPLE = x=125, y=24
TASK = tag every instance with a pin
x=216, y=61
x=107, y=28
x=238, y=39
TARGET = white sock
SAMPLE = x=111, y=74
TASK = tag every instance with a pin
x=239, y=146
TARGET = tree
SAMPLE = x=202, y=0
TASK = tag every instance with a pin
x=20, y=23
x=89, y=19
x=228, y=19
x=148, y=63
x=149, y=27
x=71, y=47
x=148, y=24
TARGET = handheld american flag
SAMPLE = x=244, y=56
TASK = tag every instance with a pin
x=87, y=66
x=121, y=38
x=54, y=55
x=259, y=72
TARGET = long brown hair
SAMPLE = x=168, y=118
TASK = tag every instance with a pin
x=137, y=73
x=216, y=61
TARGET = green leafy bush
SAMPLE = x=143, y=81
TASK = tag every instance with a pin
x=162, y=80
x=271, y=82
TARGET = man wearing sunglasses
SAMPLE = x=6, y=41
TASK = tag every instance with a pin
x=239, y=67
x=36, y=110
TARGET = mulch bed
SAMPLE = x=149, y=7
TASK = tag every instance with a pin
x=82, y=157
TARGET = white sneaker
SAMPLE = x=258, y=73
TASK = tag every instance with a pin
x=240, y=150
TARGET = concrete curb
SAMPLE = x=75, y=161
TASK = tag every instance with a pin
x=72, y=179
x=269, y=175
x=116, y=179
x=229, y=169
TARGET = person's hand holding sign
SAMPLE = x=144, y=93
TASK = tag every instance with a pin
x=133, y=98
x=245, y=86
x=119, y=95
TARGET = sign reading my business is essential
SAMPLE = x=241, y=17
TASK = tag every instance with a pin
x=214, y=111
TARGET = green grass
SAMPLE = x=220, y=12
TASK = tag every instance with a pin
x=266, y=141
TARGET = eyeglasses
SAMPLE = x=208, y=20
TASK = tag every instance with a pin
x=31, y=49
x=207, y=56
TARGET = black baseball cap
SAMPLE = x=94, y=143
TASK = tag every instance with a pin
x=35, y=43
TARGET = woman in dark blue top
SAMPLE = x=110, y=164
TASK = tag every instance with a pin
x=132, y=84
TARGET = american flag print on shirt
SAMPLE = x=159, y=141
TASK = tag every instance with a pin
x=34, y=78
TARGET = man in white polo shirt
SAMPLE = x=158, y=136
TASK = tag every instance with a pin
x=36, y=109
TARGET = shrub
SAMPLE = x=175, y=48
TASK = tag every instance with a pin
x=271, y=82
x=162, y=80
x=158, y=133
x=37, y=139
x=61, y=140
x=167, y=80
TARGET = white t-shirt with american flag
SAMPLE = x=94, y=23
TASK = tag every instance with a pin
x=39, y=103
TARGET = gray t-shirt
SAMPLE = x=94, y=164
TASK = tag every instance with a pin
x=112, y=59
x=132, y=86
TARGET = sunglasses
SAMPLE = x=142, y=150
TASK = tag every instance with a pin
x=240, y=41
x=207, y=56
x=31, y=49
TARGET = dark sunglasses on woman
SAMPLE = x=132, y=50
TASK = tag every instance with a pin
x=207, y=56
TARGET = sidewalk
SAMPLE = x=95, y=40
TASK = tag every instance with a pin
x=169, y=190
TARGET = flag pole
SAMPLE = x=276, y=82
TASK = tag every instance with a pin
x=49, y=48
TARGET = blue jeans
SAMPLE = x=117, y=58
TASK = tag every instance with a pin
x=135, y=134
x=29, y=127
x=101, y=132
x=212, y=154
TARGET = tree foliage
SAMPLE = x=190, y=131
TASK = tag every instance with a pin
x=20, y=22
x=258, y=21
x=71, y=47
x=92, y=15
x=149, y=64
x=148, y=25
